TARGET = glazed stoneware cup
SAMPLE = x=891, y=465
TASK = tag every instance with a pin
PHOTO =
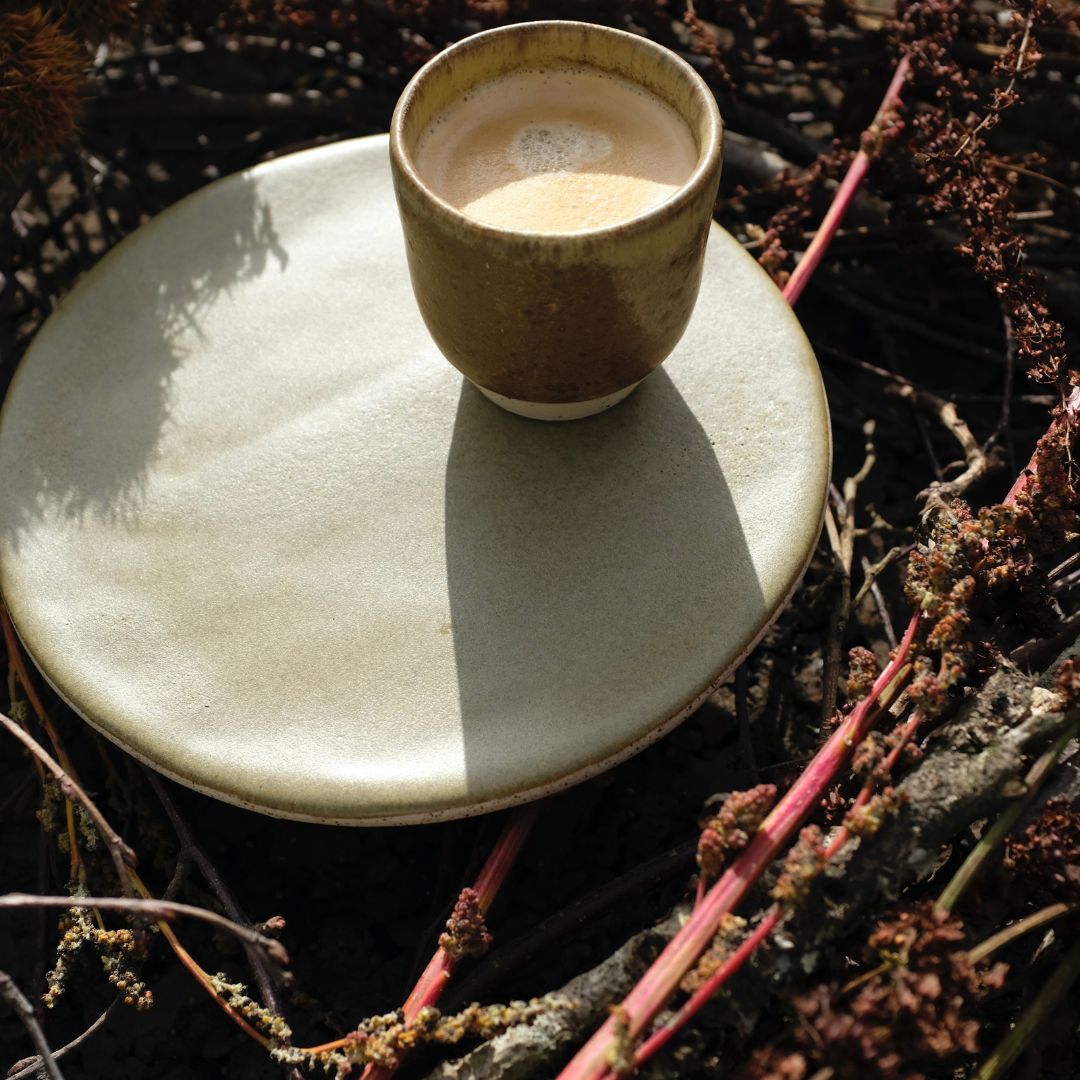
x=556, y=326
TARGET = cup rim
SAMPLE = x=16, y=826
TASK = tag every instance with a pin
x=705, y=168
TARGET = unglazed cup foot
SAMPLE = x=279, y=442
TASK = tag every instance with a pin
x=568, y=410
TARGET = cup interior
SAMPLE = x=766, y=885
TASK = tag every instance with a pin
x=484, y=57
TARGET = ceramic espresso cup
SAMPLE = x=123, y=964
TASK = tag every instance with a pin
x=556, y=326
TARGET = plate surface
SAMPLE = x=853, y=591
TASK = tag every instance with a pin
x=258, y=532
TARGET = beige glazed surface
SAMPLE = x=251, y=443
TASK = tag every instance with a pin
x=261, y=534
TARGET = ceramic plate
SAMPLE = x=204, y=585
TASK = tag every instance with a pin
x=258, y=532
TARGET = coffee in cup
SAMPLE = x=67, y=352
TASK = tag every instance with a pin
x=555, y=182
x=556, y=150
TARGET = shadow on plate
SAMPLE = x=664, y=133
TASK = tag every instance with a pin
x=594, y=568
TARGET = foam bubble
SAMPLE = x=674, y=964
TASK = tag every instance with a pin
x=558, y=146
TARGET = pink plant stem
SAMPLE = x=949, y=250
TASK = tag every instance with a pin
x=887, y=766
x=669, y=968
x=700, y=894
x=845, y=193
x=1064, y=420
x=732, y=963
x=432, y=982
x=701, y=995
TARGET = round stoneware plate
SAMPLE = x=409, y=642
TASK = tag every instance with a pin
x=257, y=531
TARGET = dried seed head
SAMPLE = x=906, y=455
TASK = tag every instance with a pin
x=466, y=934
x=43, y=85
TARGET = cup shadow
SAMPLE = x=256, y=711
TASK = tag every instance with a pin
x=599, y=580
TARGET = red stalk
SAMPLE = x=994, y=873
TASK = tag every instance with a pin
x=846, y=192
x=436, y=975
x=731, y=964
x=668, y=970
x=697, y=999
x=887, y=766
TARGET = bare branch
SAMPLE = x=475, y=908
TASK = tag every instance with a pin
x=34, y=1065
x=25, y=1012
x=122, y=855
x=879, y=600
x=979, y=462
x=151, y=909
x=873, y=572
x=214, y=879
x=842, y=534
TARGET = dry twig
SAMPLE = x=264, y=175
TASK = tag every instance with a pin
x=187, y=842
x=122, y=856
x=31, y=1067
x=25, y=1012
x=979, y=461
x=152, y=909
x=840, y=527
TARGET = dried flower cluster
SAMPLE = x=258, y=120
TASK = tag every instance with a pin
x=51, y=815
x=730, y=830
x=116, y=949
x=705, y=44
x=466, y=933
x=784, y=230
x=42, y=85
x=804, y=862
x=869, y=762
x=381, y=1040
x=964, y=179
x=915, y=1007
x=1052, y=491
x=862, y=672
x=978, y=574
x=1046, y=856
x=970, y=568
x=237, y=996
x=620, y=1054
x=868, y=819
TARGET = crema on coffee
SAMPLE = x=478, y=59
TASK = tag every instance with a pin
x=556, y=150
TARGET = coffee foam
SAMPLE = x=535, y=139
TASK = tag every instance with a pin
x=558, y=146
x=556, y=150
